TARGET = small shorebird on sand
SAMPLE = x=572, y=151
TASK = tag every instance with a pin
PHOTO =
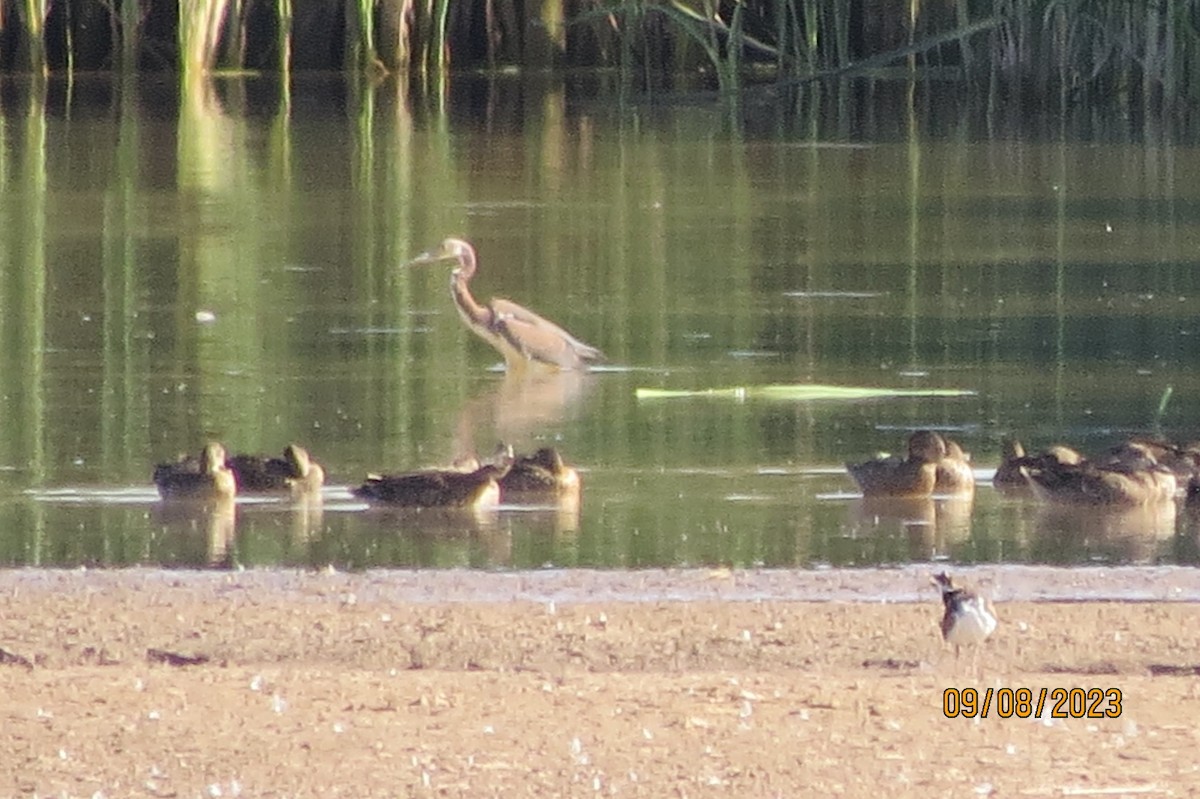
x=969, y=618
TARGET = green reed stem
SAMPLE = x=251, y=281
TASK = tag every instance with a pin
x=283, y=16
x=200, y=23
x=32, y=14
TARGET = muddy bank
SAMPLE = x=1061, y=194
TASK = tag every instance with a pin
x=149, y=683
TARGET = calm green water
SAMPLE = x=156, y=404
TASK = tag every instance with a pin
x=1046, y=264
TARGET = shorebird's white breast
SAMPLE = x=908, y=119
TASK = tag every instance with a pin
x=973, y=622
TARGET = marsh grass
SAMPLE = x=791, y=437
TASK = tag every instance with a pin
x=32, y=48
x=201, y=23
x=1141, y=48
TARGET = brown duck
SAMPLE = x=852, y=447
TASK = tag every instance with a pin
x=1183, y=460
x=1117, y=483
x=540, y=475
x=190, y=477
x=437, y=488
x=954, y=473
x=296, y=472
x=1012, y=475
x=914, y=475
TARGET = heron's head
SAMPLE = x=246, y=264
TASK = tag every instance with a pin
x=450, y=249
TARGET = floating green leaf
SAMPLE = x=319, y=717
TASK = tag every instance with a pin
x=801, y=391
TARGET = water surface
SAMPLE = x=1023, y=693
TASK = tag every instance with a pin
x=225, y=264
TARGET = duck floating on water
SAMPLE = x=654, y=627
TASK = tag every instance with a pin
x=296, y=472
x=438, y=488
x=190, y=477
x=1131, y=474
x=932, y=466
x=954, y=473
x=542, y=475
x=1119, y=483
x=1012, y=475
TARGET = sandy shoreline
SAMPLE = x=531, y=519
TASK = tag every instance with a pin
x=586, y=683
x=904, y=584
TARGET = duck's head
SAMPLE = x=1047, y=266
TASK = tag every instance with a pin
x=926, y=445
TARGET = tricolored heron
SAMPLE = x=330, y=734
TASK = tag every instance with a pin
x=206, y=477
x=295, y=472
x=521, y=336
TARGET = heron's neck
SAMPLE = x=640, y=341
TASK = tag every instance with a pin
x=471, y=310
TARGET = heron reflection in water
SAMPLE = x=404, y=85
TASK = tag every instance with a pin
x=521, y=408
x=522, y=336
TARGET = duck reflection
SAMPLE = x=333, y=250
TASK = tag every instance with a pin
x=196, y=533
x=308, y=517
x=930, y=525
x=1065, y=533
x=1188, y=545
x=444, y=536
x=555, y=516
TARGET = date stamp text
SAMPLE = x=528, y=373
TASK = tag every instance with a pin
x=1024, y=703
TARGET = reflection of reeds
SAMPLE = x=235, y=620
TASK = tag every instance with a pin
x=24, y=267
x=130, y=36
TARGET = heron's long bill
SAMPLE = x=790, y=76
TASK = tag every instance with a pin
x=436, y=255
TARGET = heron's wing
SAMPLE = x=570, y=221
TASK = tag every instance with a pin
x=538, y=338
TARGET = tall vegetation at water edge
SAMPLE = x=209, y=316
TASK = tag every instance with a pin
x=1110, y=45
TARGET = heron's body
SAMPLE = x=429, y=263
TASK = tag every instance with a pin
x=296, y=472
x=520, y=335
x=190, y=477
